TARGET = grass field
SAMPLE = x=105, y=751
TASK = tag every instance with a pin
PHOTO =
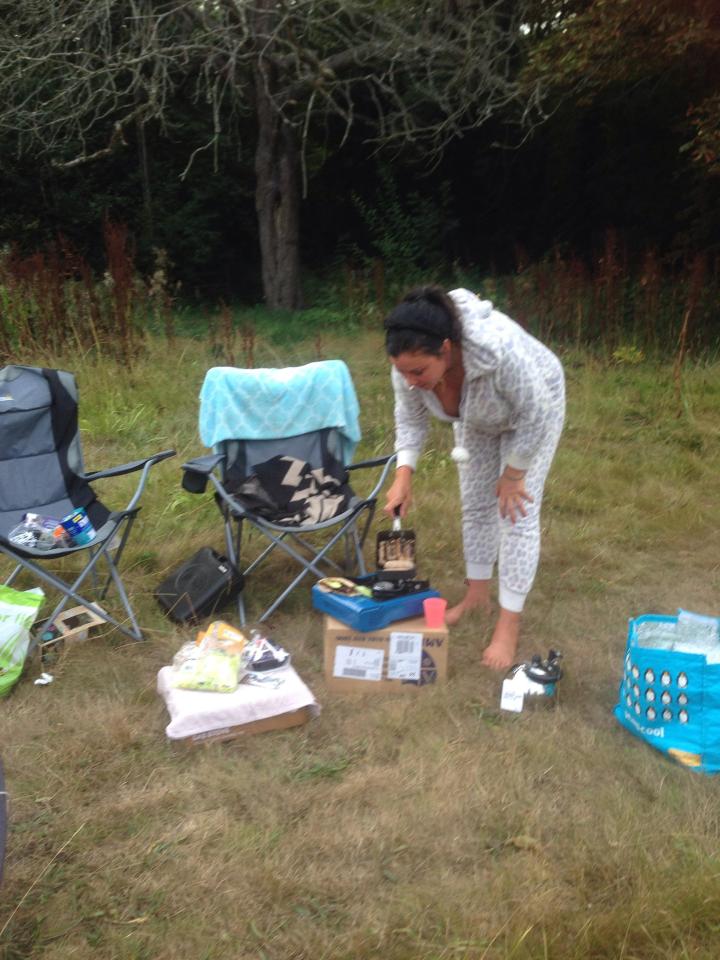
x=406, y=827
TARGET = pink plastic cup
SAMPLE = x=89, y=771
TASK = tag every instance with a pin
x=434, y=610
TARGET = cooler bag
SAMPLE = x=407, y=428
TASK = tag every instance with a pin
x=670, y=695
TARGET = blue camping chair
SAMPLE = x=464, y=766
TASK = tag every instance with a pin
x=283, y=442
x=42, y=472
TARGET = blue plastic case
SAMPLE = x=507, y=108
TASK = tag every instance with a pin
x=364, y=614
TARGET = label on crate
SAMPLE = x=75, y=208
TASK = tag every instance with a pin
x=358, y=663
x=405, y=656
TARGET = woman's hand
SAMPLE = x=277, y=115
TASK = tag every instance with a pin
x=512, y=496
x=400, y=493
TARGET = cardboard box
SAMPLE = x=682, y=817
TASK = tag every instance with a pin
x=405, y=655
x=71, y=626
x=282, y=721
x=198, y=717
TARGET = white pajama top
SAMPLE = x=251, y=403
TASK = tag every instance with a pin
x=512, y=383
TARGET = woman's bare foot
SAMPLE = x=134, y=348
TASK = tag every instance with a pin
x=476, y=596
x=502, y=649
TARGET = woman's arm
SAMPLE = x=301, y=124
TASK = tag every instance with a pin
x=411, y=422
x=411, y=426
x=399, y=496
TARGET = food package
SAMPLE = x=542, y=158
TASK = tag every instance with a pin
x=213, y=662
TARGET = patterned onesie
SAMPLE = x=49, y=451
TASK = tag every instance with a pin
x=512, y=408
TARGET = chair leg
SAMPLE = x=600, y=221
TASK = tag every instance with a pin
x=234, y=552
x=309, y=566
x=115, y=558
x=70, y=592
x=353, y=533
x=349, y=558
x=13, y=575
x=370, y=508
x=354, y=557
x=359, y=558
x=136, y=633
x=340, y=568
x=259, y=559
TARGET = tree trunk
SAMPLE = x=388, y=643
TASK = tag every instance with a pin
x=277, y=200
x=147, y=206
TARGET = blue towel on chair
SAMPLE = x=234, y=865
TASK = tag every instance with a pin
x=269, y=404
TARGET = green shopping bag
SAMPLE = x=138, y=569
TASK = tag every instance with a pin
x=18, y=610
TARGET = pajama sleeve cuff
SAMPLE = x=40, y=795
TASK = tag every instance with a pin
x=479, y=571
x=516, y=462
x=407, y=458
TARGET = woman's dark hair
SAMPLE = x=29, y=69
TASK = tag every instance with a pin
x=424, y=318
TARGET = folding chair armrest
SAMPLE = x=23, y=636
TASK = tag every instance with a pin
x=145, y=464
x=377, y=462
x=124, y=468
x=384, y=462
x=197, y=471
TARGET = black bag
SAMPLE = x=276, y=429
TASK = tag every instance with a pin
x=199, y=587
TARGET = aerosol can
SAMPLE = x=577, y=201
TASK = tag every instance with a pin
x=534, y=678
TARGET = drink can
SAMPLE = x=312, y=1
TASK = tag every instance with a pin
x=78, y=527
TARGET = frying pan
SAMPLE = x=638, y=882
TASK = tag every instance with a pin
x=395, y=551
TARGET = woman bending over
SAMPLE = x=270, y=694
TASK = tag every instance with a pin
x=455, y=357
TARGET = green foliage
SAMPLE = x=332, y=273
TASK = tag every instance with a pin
x=285, y=327
x=612, y=45
x=406, y=232
x=628, y=354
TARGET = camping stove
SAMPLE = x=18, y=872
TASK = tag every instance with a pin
x=534, y=678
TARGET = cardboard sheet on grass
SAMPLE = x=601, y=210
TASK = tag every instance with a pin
x=70, y=626
x=670, y=691
x=197, y=716
x=405, y=655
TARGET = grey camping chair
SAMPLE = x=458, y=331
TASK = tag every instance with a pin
x=41, y=471
x=288, y=485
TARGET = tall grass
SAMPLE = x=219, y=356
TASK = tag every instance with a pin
x=51, y=299
x=659, y=310
x=428, y=827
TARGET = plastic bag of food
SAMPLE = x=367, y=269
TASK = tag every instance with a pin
x=213, y=662
x=18, y=610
